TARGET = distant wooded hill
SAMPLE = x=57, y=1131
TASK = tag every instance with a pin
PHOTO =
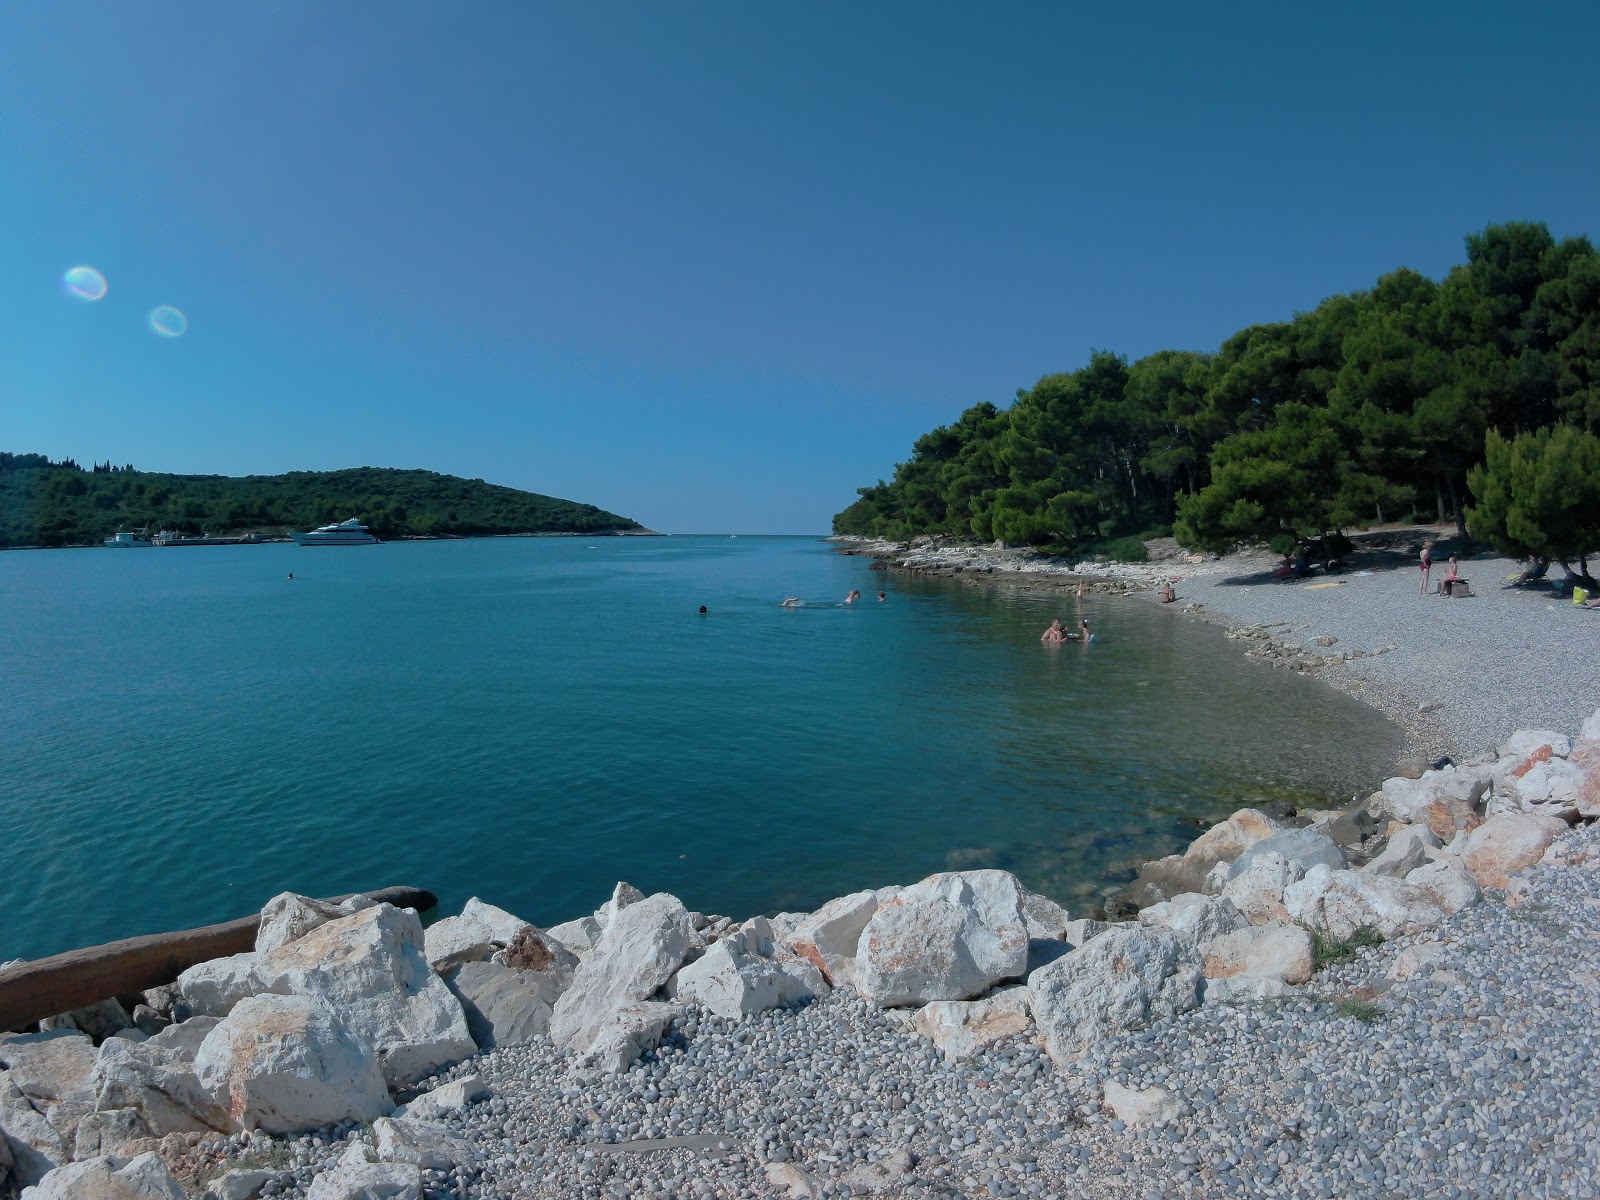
x=45, y=503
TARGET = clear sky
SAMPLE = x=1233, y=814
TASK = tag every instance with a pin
x=715, y=265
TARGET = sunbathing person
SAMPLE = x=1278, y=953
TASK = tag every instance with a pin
x=1167, y=594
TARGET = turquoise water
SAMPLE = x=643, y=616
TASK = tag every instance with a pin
x=184, y=732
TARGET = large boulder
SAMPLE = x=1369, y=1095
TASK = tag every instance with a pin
x=1407, y=850
x=156, y=1079
x=369, y=968
x=1338, y=903
x=952, y=936
x=505, y=1006
x=1046, y=920
x=103, y=1019
x=1444, y=801
x=577, y=936
x=1128, y=976
x=965, y=1028
x=1257, y=891
x=212, y=988
x=449, y=943
x=503, y=926
x=1449, y=884
x=1525, y=742
x=745, y=973
x=368, y=1181
x=452, y=1097
x=830, y=937
x=288, y=916
x=1503, y=845
x=145, y=1177
x=1306, y=848
x=34, y=1146
x=643, y=944
x=1195, y=916
x=1556, y=784
x=110, y=1132
x=286, y=1064
x=626, y=1032
x=54, y=1072
x=1227, y=840
x=1280, y=950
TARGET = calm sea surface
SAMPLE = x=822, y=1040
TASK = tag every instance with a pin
x=184, y=732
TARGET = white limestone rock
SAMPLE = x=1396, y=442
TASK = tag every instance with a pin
x=965, y=1028
x=449, y=943
x=505, y=1006
x=1044, y=918
x=1245, y=989
x=744, y=974
x=1503, y=845
x=368, y=1181
x=54, y=1072
x=1281, y=950
x=212, y=988
x=288, y=916
x=577, y=936
x=1338, y=903
x=1304, y=847
x=144, y=1177
x=503, y=926
x=1444, y=801
x=34, y=1145
x=622, y=896
x=99, y=1020
x=109, y=1132
x=625, y=1033
x=286, y=1064
x=1450, y=884
x=1407, y=850
x=1257, y=891
x=1080, y=931
x=830, y=937
x=238, y=1184
x=156, y=1078
x=1195, y=915
x=369, y=968
x=1415, y=961
x=1128, y=976
x=1140, y=1108
x=1227, y=840
x=952, y=936
x=423, y=1143
x=452, y=1097
x=1524, y=742
x=640, y=949
x=1557, y=784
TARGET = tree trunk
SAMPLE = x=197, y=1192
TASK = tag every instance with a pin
x=1438, y=495
x=1461, y=519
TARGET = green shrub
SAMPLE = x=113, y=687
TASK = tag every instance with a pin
x=1326, y=950
x=1124, y=550
x=1364, y=1011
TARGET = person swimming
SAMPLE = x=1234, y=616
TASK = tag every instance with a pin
x=702, y=610
x=791, y=602
x=881, y=596
x=853, y=596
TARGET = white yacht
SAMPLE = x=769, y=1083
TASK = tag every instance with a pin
x=138, y=538
x=343, y=533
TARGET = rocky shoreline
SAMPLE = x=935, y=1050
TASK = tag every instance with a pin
x=1398, y=998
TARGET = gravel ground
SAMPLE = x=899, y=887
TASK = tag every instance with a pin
x=1474, y=1079
x=1502, y=659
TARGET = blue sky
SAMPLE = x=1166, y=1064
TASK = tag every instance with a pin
x=715, y=265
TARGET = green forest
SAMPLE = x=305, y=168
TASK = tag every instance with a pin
x=1474, y=399
x=45, y=503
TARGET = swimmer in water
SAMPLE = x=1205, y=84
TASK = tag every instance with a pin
x=1055, y=635
x=881, y=596
x=790, y=602
x=852, y=597
x=702, y=610
x=1083, y=630
x=291, y=574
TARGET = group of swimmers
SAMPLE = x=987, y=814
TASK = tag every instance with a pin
x=1057, y=634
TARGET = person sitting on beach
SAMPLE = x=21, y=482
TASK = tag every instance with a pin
x=1055, y=635
x=1167, y=594
x=1533, y=573
x=1448, y=583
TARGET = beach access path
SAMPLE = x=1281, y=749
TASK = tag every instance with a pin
x=1472, y=668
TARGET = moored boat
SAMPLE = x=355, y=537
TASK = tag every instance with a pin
x=341, y=533
x=138, y=538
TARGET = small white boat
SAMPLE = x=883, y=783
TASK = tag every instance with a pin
x=137, y=539
x=342, y=533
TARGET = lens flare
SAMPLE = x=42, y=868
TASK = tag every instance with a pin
x=84, y=283
x=168, y=322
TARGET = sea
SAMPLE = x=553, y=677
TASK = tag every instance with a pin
x=185, y=732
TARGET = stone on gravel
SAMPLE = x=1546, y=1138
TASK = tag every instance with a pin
x=505, y=1006
x=212, y=988
x=1338, y=903
x=952, y=936
x=830, y=937
x=237, y=1185
x=369, y=968
x=1306, y=848
x=452, y=1097
x=640, y=949
x=1127, y=976
x=1257, y=891
x=625, y=1034
x=368, y=1181
x=793, y=1182
x=1407, y=850
x=156, y=1077
x=286, y=1063
x=742, y=974
x=1141, y=1107
x=422, y=1143
x=965, y=1028
x=1505, y=844
x=109, y=1177
x=1415, y=960
x=1281, y=950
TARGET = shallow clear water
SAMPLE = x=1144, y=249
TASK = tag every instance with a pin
x=184, y=732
